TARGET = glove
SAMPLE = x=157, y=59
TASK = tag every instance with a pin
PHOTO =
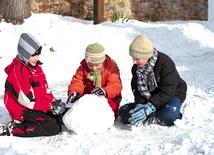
x=58, y=107
x=73, y=97
x=140, y=113
x=99, y=92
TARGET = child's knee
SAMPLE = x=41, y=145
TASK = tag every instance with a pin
x=124, y=113
x=167, y=118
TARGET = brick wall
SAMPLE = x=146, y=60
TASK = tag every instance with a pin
x=142, y=10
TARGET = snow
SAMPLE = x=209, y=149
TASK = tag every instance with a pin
x=210, y=10
x=89, y=115
x=189, y=43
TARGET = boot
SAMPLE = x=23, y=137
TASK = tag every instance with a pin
x=5, y=130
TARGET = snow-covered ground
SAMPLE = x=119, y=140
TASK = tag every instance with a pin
x=189, y=43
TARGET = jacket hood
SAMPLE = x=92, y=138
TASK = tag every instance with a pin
x=17, y=61
x=10, y=66
x=27, y=46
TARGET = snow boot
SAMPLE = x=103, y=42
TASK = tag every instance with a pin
x=5, y=130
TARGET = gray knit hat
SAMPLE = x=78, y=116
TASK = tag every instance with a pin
x=141, y=48
x=27, y=46
x=95, y=54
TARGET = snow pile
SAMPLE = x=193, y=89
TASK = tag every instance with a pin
x=90, y=114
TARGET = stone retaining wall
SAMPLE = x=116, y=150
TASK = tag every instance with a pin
x=142, y=10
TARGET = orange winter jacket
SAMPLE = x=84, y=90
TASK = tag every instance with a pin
x=110, y=82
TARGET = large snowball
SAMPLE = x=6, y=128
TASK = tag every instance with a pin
x=89, y=114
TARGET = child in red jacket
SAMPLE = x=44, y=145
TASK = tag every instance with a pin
x=33, y=108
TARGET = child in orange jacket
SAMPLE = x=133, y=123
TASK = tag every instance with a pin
x=97, y=74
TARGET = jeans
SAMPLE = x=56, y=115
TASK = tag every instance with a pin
x=165, y=116
x=169, y=112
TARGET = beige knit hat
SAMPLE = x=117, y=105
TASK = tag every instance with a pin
x=95, y=54
x=141, y=48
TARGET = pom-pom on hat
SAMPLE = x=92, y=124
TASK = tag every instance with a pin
x=141, y=48
x=95, y=54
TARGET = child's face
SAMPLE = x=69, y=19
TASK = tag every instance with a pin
x=140, y=62
x=33, y=60
x=94, y=67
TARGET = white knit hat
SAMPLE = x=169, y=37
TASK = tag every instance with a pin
x=141, y=48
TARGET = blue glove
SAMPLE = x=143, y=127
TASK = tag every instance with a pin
x=99, y=92
x=140, y=113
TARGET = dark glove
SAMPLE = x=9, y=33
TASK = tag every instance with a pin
x=73, y=97
x=58, y=107
x=140, y=113
x=99, y=92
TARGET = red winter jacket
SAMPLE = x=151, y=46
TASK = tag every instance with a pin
x=26, y=88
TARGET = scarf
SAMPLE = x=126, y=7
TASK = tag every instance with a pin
x=146, y=78
x=95, y=77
